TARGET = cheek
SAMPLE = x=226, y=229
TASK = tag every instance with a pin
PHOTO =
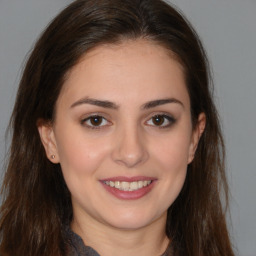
x=79, y=155
x=173, y=151
x=171, y=156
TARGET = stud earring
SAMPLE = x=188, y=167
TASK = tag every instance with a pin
x=52, y=156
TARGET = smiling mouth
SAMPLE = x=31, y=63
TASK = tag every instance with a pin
x=128, y=186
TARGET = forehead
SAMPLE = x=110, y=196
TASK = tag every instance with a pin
x=130, y=67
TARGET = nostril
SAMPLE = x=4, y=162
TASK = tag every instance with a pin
x=130, y=152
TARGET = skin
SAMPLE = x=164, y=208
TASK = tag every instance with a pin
x=128, y=142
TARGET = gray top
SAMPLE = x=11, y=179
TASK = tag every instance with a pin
x=77, y=247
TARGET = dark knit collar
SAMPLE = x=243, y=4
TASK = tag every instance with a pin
x=76, y=246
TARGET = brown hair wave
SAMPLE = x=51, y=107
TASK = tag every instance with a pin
x=36, y=202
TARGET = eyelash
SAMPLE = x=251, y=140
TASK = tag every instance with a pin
x=167, y=118
x=91, y=126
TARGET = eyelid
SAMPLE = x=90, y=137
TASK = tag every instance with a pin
x=89, y=116
x=171, y=120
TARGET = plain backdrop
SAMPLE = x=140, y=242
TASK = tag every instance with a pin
x=228, y=31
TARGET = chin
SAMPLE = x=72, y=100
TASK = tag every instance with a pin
x=131, y=220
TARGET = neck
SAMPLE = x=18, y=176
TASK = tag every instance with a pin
x=108, y=240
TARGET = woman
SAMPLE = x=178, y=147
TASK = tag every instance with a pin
x=116, y=144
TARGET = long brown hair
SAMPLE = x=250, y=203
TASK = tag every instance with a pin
x=36, y=202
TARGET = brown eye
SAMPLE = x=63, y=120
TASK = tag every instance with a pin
x=162, y=121
x=158, y=120
x=95, y=121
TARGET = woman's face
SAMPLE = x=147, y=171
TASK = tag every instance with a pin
x=123, y=134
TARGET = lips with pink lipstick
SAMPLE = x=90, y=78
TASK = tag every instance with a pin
x=129, y=187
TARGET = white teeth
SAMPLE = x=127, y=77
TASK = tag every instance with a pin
x=140, y=184
x=128, y=186
x=117, y=184
x=125, y=185
x=134, y=186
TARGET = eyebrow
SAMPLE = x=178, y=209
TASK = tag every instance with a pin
x=155, y=103
x=95, y=102
x=111, y=105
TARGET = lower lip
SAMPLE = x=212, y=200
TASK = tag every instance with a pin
x=129, y=195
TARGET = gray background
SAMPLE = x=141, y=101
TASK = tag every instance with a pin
x=228, y=31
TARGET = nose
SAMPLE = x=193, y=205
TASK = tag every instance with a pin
x=130, y=148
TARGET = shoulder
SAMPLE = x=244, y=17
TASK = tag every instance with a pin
x=76, y=246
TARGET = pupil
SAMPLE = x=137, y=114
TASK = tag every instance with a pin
x=158, y=120
x=96, y=120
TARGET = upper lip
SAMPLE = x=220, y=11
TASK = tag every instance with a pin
x=129, y=179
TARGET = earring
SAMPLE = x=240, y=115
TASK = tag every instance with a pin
x=52, y=156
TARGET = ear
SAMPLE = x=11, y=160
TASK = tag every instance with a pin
x=196, y=135
x=48, y=140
